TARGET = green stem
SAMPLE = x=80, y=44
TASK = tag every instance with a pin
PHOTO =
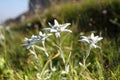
x=88, y=53
x=43, y=43
x=49, y=59
x=36, y=59
x=84, y=60
x=60, y=49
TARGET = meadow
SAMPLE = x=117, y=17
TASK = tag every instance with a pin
x=81, y=42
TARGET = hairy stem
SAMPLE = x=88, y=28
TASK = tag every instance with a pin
x=87, y=54
x=60, y=49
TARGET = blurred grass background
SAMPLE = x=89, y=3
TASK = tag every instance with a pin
x=86, y=16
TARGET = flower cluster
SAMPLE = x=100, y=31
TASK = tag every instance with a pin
x=34, y=39
x=58, y=28
x=91, y=40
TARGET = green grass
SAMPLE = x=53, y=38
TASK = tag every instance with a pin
x=18, y=64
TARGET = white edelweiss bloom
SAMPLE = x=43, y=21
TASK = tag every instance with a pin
x=53, y=28
x=57, y=34
x=64, y=26
x=43, y=36
x=34, y=39
x=29, y=43
x=92, y=40
x=56, y=24
x=58, y=28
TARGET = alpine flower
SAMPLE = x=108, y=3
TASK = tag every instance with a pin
x=58, y=28
x=34, y=39
x=91, y=40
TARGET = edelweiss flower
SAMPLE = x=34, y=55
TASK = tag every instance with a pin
x=34, y=39
x=42, y=36
x=92, y=40
x=58, y=28
x=29, y=43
